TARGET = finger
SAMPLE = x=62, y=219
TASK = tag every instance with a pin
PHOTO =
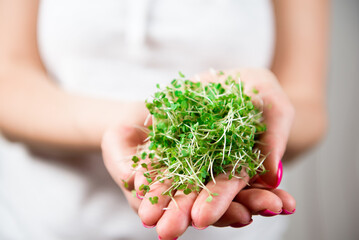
x=288, y=201
x=278, y=113
x=132, y=200
x=118, y=146
x=278, y=121
x=237, y=215
x=260, y=201
x=151, y=213
x=206, y=213
x=177, y=218
x=139, y=181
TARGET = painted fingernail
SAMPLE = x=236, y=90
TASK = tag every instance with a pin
x=268, y=213
x=279, y=173
x=239, y=225
x=286, y=212
x=146, y=226
x=139, y=196
x=198, y=228
x=279, y=177
x=159, y=238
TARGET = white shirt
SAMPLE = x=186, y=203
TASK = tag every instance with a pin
x=120, y=49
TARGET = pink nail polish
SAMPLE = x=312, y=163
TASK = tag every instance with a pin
x=239, y=225
x=198, y=228
x=279, y=173
x=268, y=213
x=146, y=226
x=139, y=196
x=159, y=238
x=279, y=177
x=285, y=212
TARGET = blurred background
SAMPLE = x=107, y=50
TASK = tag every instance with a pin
x=325, y=182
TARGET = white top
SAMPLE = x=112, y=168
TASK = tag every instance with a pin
x=121, y=49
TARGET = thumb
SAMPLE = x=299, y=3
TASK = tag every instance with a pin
x=279, y=120
x=118, y=146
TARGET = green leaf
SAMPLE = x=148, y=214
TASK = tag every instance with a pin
x=187, y=191
x=135, y=159
x=209, y=198
x=185, y=153
x=134, y=165
x=144, y=165
x=152, y=146
x=184, y=105
x=153, y=200
x=181, y=75
x=178, y=93
x=125, y=183
x=161, y=126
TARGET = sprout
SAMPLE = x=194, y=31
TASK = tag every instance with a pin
x=198, y=132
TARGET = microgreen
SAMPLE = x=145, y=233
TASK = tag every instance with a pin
x=153, y=200
x=200, y=130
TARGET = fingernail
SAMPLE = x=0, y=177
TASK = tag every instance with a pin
x=279, y=177
x=239, y=225
x=268, y=213
x=146, y=226
x=159, y=237
x=285, y=212
x=198, y=228
x=279, y=173
x=139, y=196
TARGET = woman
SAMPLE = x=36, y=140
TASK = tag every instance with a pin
x=70, y=72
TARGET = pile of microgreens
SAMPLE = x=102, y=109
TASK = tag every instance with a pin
x=200, y=130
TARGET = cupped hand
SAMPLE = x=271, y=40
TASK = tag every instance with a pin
x=234, y=205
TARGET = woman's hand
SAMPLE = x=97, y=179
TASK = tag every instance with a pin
x=234, y=206
x=119, y=145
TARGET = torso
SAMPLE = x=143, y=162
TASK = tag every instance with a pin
x=121, y=49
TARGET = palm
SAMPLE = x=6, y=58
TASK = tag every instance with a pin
x=235, y=204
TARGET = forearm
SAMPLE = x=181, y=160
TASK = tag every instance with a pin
x=34, y=110
x=309, y=101
x=300, y=62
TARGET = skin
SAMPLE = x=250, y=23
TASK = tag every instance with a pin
x=300, y=63
x=37, y=112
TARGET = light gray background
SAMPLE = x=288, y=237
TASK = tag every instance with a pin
x=325, y=182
